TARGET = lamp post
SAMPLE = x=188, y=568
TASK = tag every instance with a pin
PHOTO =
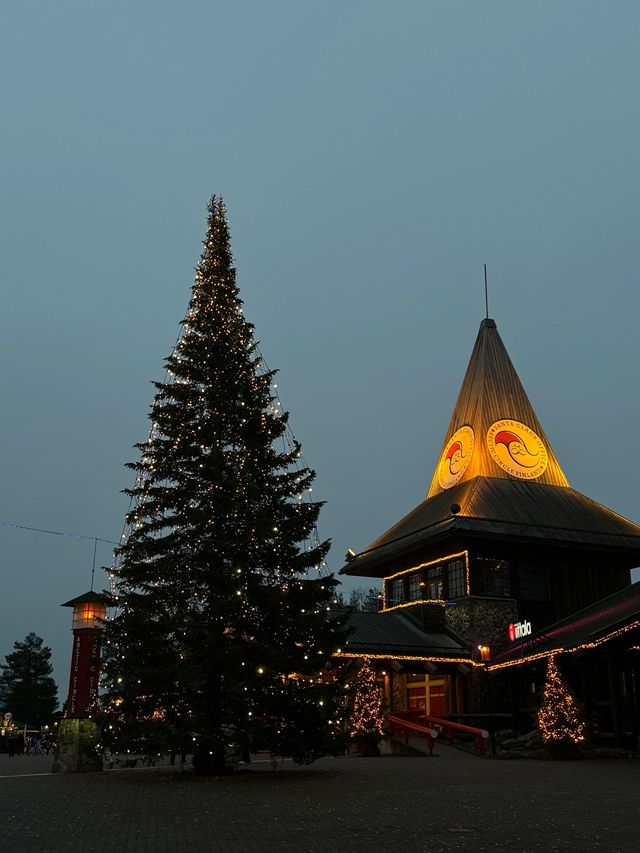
x=485, y=657
x=78, y=733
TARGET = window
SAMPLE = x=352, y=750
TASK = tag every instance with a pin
x=456, y=579
x=397, y=592
x=492, y=577
x=415, y=587
x=434, y=582
x=534, y=583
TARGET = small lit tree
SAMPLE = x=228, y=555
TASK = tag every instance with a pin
x=366, y=718
x=561, y=725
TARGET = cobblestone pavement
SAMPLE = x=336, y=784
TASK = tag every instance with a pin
x=452, y=802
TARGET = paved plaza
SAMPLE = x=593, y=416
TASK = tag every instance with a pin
x=453, y=802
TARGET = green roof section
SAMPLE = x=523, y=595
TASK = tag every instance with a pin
x=395, y=634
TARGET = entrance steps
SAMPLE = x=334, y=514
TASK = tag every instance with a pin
x=395, y=745
x=416, y=747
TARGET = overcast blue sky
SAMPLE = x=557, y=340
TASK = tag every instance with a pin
x=373, y=155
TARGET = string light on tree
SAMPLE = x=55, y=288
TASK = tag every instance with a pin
x=217, y=600
x=367, y=718
x=559, y=719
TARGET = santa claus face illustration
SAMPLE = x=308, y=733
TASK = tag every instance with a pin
x=455, y=457
x=517, y=449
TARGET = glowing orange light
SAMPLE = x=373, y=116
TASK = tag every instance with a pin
x=485, y=653
x=89, y=615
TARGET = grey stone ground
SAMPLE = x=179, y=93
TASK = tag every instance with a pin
x=452, y=802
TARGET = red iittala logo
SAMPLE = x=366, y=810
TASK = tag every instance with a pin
x=518, y=630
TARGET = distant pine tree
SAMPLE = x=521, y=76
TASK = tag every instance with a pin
x=224, y=621
x=27, y=688
x=365, y=600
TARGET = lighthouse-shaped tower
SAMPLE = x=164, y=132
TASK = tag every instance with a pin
x=78, y=734
x=501, y=544
x=89, y=614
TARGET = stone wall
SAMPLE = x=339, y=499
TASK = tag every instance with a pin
x=483, y=621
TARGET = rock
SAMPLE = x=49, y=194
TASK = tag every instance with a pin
x=77, y=747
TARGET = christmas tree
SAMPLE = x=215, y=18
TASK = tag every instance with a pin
x=559, y=720
x=225, y=622
x=366, y=718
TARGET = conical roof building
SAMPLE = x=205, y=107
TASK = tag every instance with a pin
x=492, y=393
x=502, y=559
x=500, y=502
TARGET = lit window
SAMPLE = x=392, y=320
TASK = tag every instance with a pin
x=434, y=582
x=415, y=589
x=456, y=579
x=397, y=591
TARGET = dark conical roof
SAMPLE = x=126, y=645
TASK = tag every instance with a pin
x=497, y=476
x=90, y=597
x=491, y=395
x=492, y=507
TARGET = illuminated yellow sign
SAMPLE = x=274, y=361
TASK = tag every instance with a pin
x=517, y=449
x=456, y=457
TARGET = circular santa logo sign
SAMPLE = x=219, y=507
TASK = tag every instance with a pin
x=517, y=449
x=456, y=457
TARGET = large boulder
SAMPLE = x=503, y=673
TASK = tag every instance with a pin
x=78, y=747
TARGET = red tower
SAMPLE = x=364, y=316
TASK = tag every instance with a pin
x=89, y=613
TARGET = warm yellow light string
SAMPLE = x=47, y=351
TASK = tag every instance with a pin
x=290, y=439
x=366, y=719
x=392, y=656
x=141, y=478
x=568, y=649
x=559, y=718
x=444, y=559
x=438, y=601
x=440, y=560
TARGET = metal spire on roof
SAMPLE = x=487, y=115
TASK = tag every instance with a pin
x=486, y=294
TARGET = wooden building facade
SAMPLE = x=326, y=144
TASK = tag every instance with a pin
x=500, y=545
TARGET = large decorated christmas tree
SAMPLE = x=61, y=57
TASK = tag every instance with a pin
x=224, y=623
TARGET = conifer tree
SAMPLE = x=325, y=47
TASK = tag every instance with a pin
x=366, y=718
x=219, y=594
x=559, y=719
x=27, y=688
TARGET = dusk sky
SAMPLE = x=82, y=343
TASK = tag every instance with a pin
x=372, y=155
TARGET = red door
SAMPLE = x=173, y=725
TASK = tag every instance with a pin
x=438, y=697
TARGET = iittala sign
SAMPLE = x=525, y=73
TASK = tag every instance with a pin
x=519, y=629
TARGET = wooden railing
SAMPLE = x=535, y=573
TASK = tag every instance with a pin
x=408, y=727
x=413, y=721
